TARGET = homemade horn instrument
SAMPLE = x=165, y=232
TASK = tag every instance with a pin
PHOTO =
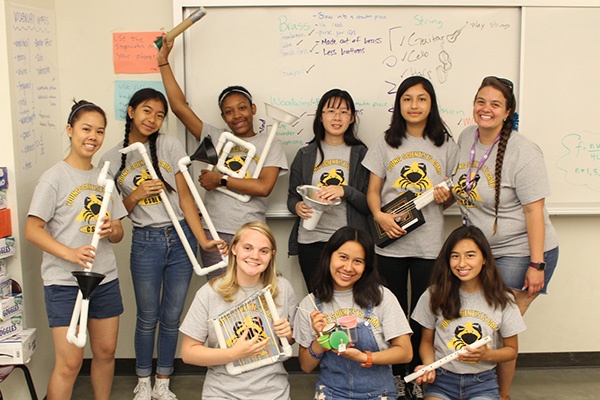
x=88, y=280
x=182, y=26
x=207, y=153
x=228, y=139
x=139, y=147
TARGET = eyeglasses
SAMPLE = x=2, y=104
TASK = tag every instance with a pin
x=331, y=112
x=503, y=81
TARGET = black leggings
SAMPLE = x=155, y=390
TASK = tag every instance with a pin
x=395, y=271
x=308, y=258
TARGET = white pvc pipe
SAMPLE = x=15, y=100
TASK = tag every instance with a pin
x=80, y=310
x=165, y=200
x=183, y=168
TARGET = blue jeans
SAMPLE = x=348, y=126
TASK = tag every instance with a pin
x=451, y=386
x=513, y=269
x=161, y=272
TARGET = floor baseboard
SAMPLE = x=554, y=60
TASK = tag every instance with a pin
x=126, y=366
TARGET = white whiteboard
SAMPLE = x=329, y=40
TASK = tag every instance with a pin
x=289, y=56
x=560, y=105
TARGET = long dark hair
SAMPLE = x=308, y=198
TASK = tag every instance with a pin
x=435, y=130
x=334, y=98
x=505, y=87
x=445, y=295
x=138, y=98
x=367, y=290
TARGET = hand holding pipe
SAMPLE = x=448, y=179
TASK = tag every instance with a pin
x=182, y=26
x=183, y=167
x=450, y=357
x=80, y=310
x=139, y=147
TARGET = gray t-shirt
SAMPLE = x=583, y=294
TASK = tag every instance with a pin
x=524, y=180
x=332, y=171
x=68, y=200
x=228, y=213
x=477, y=319
x=387, y=320
x=417, y=165
x=149, y=211
x=267, y=382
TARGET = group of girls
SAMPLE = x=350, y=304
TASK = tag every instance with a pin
x=345, y=272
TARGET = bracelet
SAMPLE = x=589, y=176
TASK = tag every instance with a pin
x=312, y=353
x=369, y=361
x=162, y=65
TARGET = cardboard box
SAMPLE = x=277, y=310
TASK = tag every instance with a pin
x=3, y=268
x=11, y=327
x=3, y=199
x=5, y=223
x=18, y=350
x=7, y=247
x=11, y=306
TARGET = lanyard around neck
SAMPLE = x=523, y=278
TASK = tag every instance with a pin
x=470, y=178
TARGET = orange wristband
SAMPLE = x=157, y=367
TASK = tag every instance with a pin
x=369, y=360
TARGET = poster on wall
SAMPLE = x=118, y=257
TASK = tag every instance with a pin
x=34, y=89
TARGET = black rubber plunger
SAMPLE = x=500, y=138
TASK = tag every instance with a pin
x=87, y=281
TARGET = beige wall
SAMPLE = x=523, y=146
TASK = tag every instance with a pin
x=85, y=59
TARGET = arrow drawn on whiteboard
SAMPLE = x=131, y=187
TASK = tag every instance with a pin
x=311, y=67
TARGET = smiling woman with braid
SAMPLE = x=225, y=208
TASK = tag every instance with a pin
x=160, y=268
x=501, y=187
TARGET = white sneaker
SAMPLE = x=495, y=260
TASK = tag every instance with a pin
x=161, y=390
x=143, y=390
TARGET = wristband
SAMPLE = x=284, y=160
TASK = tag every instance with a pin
x=369, y=360
x=312, y=353
x=162, y=65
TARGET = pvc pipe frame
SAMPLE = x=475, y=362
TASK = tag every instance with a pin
x=165, y=200
x=80, y=310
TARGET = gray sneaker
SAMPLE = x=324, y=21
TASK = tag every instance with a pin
x=416, y=391
x=400, y=386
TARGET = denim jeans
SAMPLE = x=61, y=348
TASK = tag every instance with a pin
x=161, y=272
x=513, y=269
x=451, y=386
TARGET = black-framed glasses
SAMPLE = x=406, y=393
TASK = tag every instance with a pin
x=503, y=81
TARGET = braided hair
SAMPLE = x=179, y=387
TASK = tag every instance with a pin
x=139, y=97
x=505, y=87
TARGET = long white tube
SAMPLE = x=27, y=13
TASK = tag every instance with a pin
x=80, y=310
x=450, y=357
x=137, y=146
x=183, y=167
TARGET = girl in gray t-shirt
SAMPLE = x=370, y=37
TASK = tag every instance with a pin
x=467, y=300
x=61, y=221
x=251, y=268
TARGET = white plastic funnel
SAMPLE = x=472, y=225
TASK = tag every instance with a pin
x=309, y=195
